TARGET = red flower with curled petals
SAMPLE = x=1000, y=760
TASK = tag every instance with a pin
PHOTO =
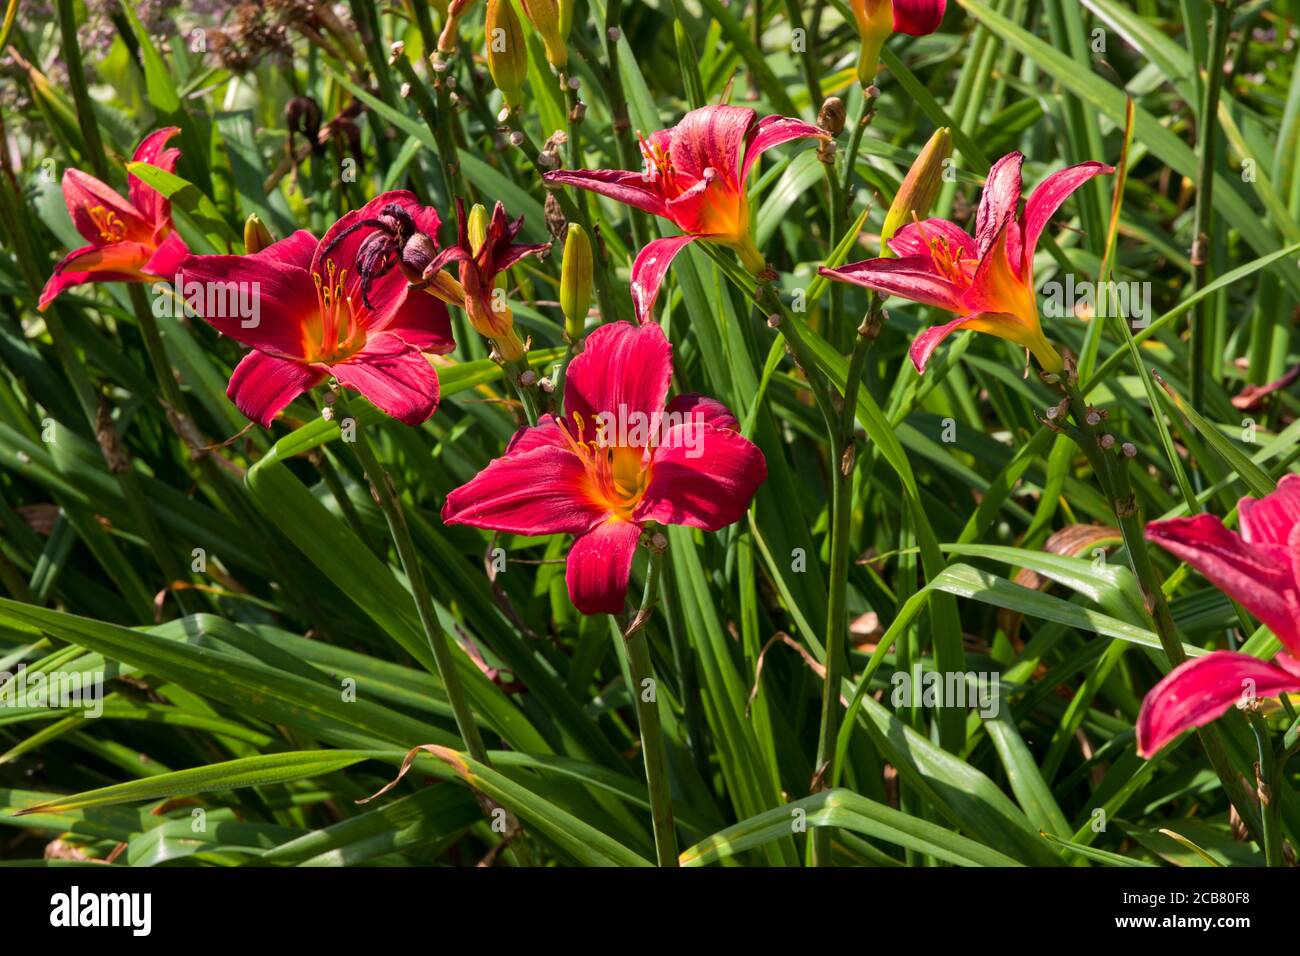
x=1260, y=569
x=618, y=460
x=130, y=240
x=312, y=319
x=695, y=177
x=987, y=281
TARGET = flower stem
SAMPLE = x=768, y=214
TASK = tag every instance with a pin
x=1267, y=778
x=1112, y=476
x=647, y=712
x=386, y=495
x=1203, y=211
x=842, y=460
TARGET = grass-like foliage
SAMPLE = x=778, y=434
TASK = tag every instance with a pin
x=635, y=432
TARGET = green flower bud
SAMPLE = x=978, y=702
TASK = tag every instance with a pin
x=549, y=20
x=507, y=53
x=920, y=187
x=256, y=236
x=575, y=280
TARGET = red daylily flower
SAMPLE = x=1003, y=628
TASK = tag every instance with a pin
x=131, y=240
x=988, y=281
x=315, y=320
x=877, y=19
x=1259, y=568
x=618, y=460
x=694, y=177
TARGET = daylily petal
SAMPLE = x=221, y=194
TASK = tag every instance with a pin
x=998, y=202
x=918, y=18
x=1047, y=198
x=703, y=477
x=421, y=321
x=712, y=137
x=119, y=262
x=997, y=287
x=1271, y=519
x=696, y=407
x=283, y=295
x=648, y=272
x=773, y=131
x=542, y=490
x=262, y=385
x=170, y=253
x=911, y=277
x=1197, y=691
x=152, y=204
x=624, y=370
x=89, y=200
x=599, y=566
x=546, y=433
x=396, y=377
x=632, y=188
x=296, y=249
x=916, y=238
x=923, y=345
x=1247, y=573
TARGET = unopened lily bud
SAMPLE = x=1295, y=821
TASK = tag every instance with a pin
x=546, y=18
x=832, y=115
x=451, y=25
x=477, y=228
x=256, y=236
x=875, y=20
x=920, y=187
x=507, y=53
x=575, y=280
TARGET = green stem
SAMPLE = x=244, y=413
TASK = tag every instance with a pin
x=1203, y=210
x=439, y=643
x=1112, y=476
x=647, y=713
x=95, y=154
x=1267, y=780
x=842, y=459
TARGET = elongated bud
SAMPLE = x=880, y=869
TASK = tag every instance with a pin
x=547, y=18
x=875, y=23
x=256, y=236
x=477, y=228
x=507, y=53
x=575, y=280
x=920, y=187
x=451, y=25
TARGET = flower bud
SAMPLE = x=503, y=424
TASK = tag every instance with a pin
x=256, y=236
x=477, y=228
x=451, y=25
x=550, y=23
x=575, y=280
x=507, y=52
x=920, y=187
x=875, y=23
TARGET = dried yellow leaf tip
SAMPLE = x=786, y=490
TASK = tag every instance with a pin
x=575, y=280
x=256, y=236
x=920, y=187
x=507, y=52
x=552, y=23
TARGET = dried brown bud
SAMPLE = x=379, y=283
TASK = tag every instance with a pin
x=832, y=115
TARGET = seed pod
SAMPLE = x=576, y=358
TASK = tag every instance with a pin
x=547, y=18
x=256, y=236
x=832, y=115
x=575, y=280
x=507, y=52
x=920, y=187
